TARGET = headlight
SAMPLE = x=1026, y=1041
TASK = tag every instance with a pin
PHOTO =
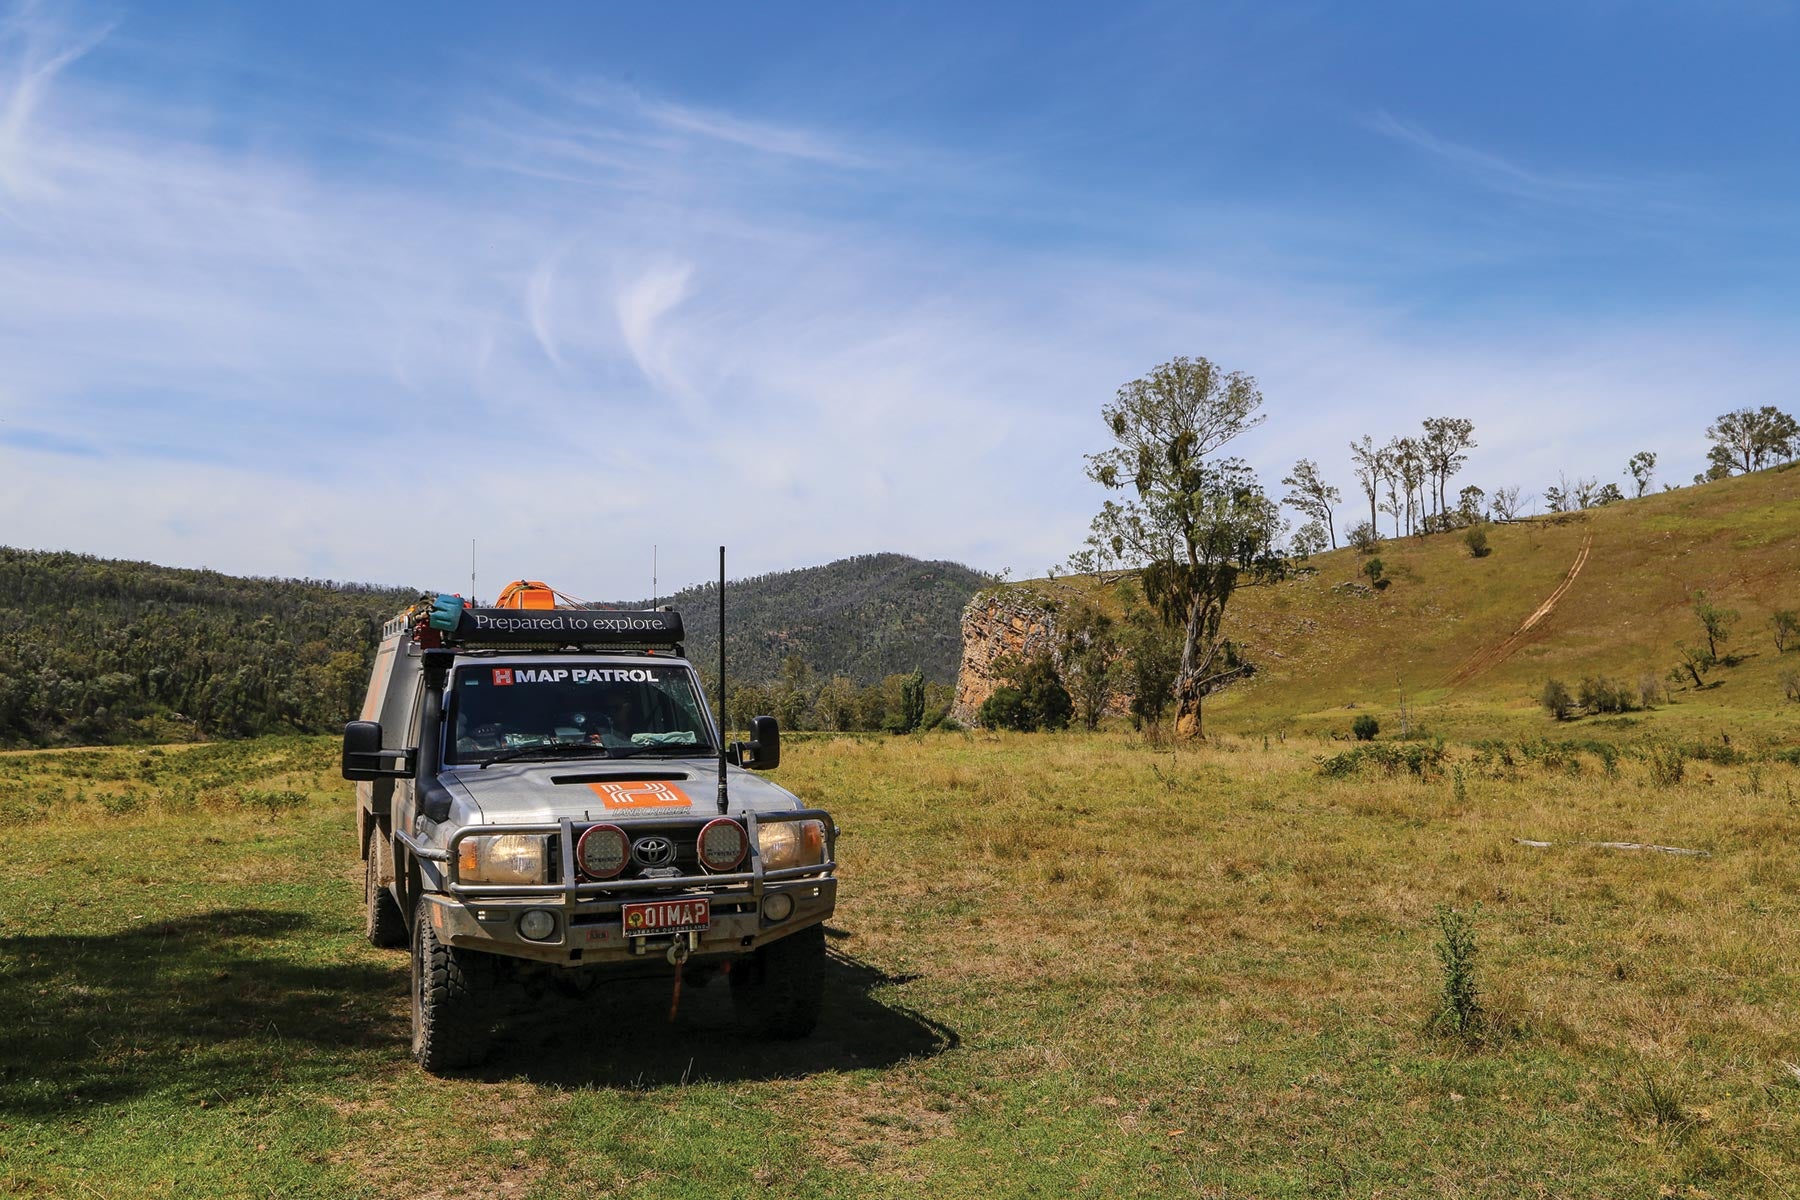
x=790, y=844
x=503, y=858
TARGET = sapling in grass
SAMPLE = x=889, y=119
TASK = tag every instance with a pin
x=1459, y=1012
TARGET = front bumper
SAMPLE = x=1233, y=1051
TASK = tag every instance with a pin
x=592, y=932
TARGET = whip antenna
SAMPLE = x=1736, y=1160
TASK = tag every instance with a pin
x=724, y=801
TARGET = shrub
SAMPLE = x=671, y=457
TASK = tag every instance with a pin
x=1790, y=684
x=1426, y=761
x=1477, y=541
x=1363, y=536
x=1365, y=728
x=1667, y=763
x=1034, y=698
x=1459, y=1012
x=1556, y=699
x=1373, y=569
x=1785, y=625
x=1004, y=709
x=1602, y=695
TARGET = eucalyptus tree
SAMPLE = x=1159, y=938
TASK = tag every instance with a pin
x=1369, y=464
x=1406, y=480
x=1189, y=518
x=1444, y=449
x=1752, y=438
x=1312, y=496
x=1642, y=469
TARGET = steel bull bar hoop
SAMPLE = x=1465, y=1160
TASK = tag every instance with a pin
x=572, y=889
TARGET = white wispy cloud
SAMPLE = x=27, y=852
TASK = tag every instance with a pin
x=1613, y=195
x=574, y=321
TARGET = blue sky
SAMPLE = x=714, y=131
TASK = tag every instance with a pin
x=329, y=289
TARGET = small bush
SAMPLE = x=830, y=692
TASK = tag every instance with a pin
x=1556, y=699
x=1004, y=709
x=1425, y=761
x=1790, y=684
x=1365, y=728
x=1363, y=536
x=1373, y=569
x=1476, y=540
x=1667, y=763
x=1602, y=695
x=1459, y=1012
x=269, y=801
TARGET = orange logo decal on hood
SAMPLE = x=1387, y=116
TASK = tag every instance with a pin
x=638, y=794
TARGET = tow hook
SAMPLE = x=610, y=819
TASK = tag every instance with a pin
x=680, y=948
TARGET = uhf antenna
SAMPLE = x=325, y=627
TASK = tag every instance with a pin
x=652, y=576
x=471, y=570
x=724, y=801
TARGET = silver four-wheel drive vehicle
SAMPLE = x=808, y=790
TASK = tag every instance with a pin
x=544, y=799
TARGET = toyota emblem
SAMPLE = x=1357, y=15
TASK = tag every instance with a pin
x=653, y=851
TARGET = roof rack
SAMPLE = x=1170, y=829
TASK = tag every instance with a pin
x=448, y=620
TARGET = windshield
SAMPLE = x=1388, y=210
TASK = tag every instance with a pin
x=494, y=710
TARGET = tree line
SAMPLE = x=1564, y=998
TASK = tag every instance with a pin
x=94, y=650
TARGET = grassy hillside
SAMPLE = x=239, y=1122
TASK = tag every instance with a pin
x=1062, y=965
x=866, y=617
x=1439, y=632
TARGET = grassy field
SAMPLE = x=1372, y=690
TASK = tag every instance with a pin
x=1063, y=965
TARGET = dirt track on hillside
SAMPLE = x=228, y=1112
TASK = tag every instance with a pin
x=1496, y=655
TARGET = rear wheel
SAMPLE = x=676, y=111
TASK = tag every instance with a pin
x=383, y=922
x=451, y=1015
x=777, y=991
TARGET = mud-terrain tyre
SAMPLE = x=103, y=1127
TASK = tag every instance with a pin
x=777, y=991
x=452, y=1016
x=383, y=922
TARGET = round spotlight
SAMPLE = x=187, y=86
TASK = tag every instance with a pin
x=537, y=924
x=602, y=851
x=722, y=845
x=778, y=906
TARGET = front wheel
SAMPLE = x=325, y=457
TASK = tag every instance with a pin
x=383, y=922
x=778, y=991
x=451, y=1021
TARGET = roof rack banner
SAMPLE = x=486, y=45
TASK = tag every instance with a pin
x=569, y=626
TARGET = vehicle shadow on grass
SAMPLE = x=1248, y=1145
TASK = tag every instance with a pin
x=209, y=1005
x=620, y=1036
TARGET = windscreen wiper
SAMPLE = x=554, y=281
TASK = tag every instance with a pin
x=555, y=749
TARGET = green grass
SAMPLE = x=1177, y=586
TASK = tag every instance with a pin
x=1063, y=965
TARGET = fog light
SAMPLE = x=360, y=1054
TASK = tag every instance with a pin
x=778, y=906
x=537, y=924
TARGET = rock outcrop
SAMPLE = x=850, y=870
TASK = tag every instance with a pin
x=1001, y=620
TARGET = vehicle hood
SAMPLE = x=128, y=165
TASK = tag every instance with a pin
x=529, y=793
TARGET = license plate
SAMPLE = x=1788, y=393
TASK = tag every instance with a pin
x=652, y=917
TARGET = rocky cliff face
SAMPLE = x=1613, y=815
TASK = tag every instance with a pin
x=998, y=621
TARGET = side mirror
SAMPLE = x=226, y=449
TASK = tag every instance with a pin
x=763, y=751
x=364, y=757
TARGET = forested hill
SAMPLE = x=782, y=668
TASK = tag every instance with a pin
x=865, y=617
x=98, y=650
